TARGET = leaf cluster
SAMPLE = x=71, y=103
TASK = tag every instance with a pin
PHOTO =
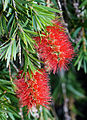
x=8, y=99
x=20, y=21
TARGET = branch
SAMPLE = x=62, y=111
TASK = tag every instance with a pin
x=65, y=107
x=15, y=8
x=65, y=24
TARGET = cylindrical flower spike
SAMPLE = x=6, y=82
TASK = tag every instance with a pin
x=55, y=49
x=34, y=91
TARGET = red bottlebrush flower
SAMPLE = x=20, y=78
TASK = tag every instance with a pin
x=55, y=49
x=33, y=91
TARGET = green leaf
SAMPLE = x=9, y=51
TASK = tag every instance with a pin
x=42, y=21
x=79, y=63
x=78, y=44
x=40, y=8
x=45, y=115
x=8, y=90
x=46, y=19
x=76, y=32
x=3, y=46
x=23, y=2
x=33, y=69
x=29, y=38
x=10, y=20
x=55, y=3
x=12, y=29
x=39, y=23
x=35, y=58
x=14, y=49
x=51, y=16
x=5, y=82
x=4, y=24
x=31, y=32
x=21, y=5
x=24, y=39
x=26, y=61
x=80, y=55
x=6, y=4
x=83, y=3
x=55, y=93
x=9, y=12
x=11, y=115
x=13, y=8
x=8, y=55
x=85, y=66
x=25, y=24
x=30, y=41
x=49, y=114
x=52, y=9
x=34, y=23
x=2, y=54
x=74, y=91
x=14, y=112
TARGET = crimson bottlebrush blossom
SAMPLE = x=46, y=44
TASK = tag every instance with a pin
x=55, y=49
x=34, y=91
